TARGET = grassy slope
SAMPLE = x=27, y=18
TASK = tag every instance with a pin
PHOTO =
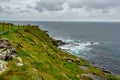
x=42, y=59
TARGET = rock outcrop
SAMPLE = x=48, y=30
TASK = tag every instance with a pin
x=7, y=52
x=59, y=43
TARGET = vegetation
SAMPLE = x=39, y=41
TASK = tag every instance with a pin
x=43, y=60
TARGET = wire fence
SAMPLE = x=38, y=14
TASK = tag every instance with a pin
x=7, y=27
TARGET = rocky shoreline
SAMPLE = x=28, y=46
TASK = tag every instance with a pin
x=62, y=43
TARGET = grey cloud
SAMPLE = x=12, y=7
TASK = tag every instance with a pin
x=25, y=11
x=1, y=9
x=4, y=0
x=95, y=4
x=50, y=5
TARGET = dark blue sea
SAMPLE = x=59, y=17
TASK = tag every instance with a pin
x=97, y=42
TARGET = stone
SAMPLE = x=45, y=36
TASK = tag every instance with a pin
x=108, y=72
x=4, y=41
x=3, y=66
x=2, y=46
x=7, y=54
x=77, y=61
x=59, y=43
x=84, y=68
x=6, y=51
x=69, y=59
x=13, y=51
x=94, y=77
x=19, y=61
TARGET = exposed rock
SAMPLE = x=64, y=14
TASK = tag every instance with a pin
x=4, y=41
x=58, y=43
x=3, y=66
x=6, y=51
x=106, y=71
x=19, y=61
x=46, y=31
x=94, y=77
x=84, y=68
x=77, y=61
x=69, y=59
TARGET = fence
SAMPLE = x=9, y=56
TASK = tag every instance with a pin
x=6, y=27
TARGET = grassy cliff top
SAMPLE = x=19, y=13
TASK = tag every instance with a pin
x=44, y=61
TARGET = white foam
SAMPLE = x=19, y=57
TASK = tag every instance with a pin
x=78, y=48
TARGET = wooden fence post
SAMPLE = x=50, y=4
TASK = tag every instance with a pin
x=3, y=26
x=18, y=26
x=28, y=25
x=8, y=27
x=11, y=26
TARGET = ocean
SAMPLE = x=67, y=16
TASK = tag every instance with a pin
x=97, y=42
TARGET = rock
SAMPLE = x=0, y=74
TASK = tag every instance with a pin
x=4, y=41
x=84, y=68
x=6, y=51
x=7, y=54
x=77, y=61
x=19, y=61
x=46, y=31
x=13, y=51
x=106, y=71
x=94, y=77
x=2, y=46
x=3, y=66
x=69, y=59
x=58, y=43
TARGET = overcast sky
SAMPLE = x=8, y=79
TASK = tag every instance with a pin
x=62, y=10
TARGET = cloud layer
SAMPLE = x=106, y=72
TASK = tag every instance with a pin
x=78, y=10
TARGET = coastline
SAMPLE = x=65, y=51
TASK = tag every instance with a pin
x=62, y=43
x=43, y=60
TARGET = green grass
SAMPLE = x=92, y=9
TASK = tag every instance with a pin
x=42, y=59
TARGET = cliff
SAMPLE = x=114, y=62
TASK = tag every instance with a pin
x=42, y=60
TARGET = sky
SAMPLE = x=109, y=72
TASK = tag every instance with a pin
x=60, y=10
